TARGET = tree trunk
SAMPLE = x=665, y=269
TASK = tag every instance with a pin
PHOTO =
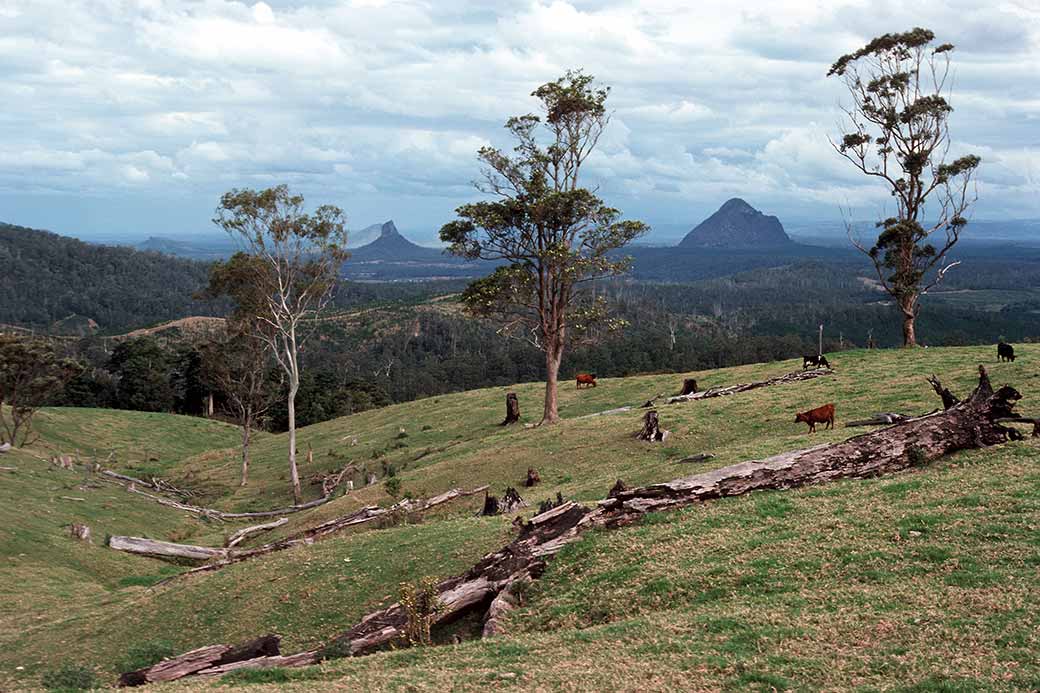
x=294, y=473
x=906, y=305
x=553, y=357
x=246, y=434
x=512, y=409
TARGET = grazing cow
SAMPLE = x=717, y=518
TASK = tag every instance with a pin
x=815, y=361
x=824, y=414
x=1005, y=352
x=586, y=379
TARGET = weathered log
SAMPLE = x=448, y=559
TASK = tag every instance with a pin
x=5, y=447
x=948, y=398
x=608, y=412
x=8, y=469
x=309, y=536
x=794, y=377
x=301, y=659
x=200, y=659
x=241, y=534
x=512, y=409
x=532, y=477
x=973, y=423
x=652, y=431
x=700, y=457
x=164, y=549
x=689, y=387
x=881, y=419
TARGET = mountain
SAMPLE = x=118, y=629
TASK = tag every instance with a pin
x=737, y=225
x=391, y=246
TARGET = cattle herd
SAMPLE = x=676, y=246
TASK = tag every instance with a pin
x=819, y=415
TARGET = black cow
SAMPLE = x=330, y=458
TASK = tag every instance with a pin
x=815, y=361
x=1005, y=352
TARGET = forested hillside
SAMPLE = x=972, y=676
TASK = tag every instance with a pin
x=47, y=277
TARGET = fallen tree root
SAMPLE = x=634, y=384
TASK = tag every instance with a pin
x=722, y=391
x=308, y=536
x=490, y=585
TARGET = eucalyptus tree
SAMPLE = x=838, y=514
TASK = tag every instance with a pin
x=297, y=257
x=553, y=236
x=897, y=132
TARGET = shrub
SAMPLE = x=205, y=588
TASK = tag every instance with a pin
x=393, y=486
x=421, y=606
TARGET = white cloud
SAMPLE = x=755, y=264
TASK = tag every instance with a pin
x=380, y=105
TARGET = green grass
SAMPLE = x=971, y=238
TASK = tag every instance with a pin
x=925, y=580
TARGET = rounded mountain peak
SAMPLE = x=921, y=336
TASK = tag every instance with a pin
x=388, y=229
x=736, y=204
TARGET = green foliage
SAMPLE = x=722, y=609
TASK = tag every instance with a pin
x=69, y=677
x=393, y=486
x=421, y=605
x=31, y=372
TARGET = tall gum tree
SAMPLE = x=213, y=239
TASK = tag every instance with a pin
x=897, y=131
x=554, y=236
x=298, y=260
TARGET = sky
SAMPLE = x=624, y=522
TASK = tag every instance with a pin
x=131, y=117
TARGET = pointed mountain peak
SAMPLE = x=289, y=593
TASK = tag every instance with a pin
x=388, y=229
x=735, y=204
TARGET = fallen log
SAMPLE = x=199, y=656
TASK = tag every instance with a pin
x=973, y=423
x=701, y=457
x=608, y=412
x=309, y=536
x=241, y=534
x=164, y=549
x=881, y=419
x=722, y=391
x=201, y=659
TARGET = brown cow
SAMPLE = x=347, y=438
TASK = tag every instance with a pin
x=586, y=379
x=824, y=414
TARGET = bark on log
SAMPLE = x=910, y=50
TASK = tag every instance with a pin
x=689, y=387
x=200, y=659
x=241, y=534
x=973, y=423
x=164, y=549
x=794, y=377
x=512, y=409
x=652, y=431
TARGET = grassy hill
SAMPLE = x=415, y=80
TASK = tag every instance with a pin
x=922, y=581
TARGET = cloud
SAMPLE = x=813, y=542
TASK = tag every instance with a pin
x=380, y=105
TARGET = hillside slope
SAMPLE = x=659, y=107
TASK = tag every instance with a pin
x=926, y=579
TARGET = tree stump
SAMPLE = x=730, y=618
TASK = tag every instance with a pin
x=949, y=400
x=617, y=489
x=80, y=532
x=371, y=479
x=548, y=504
x=490, y=505
x=689, y=386
x=532, y=477
x=512, y=409
x=511, y=500
x=652, y=431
